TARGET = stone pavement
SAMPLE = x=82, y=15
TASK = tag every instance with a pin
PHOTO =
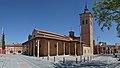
x=22, y=61
x=12, y=61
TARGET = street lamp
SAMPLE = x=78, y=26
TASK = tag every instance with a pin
x=98, y=38
x=98, y=45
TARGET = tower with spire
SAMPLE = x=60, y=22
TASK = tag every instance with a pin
x=86, y=29
x=3, y=40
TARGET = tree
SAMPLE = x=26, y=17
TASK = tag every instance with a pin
x=3, y=41
x=107, y=12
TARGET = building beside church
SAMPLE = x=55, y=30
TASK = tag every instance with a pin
x=44, y=43
x=117, y=47
x=13, y=48
x=103, y=48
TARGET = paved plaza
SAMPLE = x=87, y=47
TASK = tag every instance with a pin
x=22, y=61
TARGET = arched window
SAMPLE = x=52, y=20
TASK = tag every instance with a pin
x=88, y=51
x=85, y=51
x=40, y=45
x=83, y=22
x=34, y=35
x=55, y=45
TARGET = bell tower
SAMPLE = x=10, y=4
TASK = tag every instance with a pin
x=86, y=28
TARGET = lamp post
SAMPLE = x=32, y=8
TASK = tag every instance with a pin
x=97, y=46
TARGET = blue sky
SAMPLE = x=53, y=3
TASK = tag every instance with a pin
x=19, y=17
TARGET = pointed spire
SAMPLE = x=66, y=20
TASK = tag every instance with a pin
x=86, y=8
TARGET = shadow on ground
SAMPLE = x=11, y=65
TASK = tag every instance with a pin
x=90, y=64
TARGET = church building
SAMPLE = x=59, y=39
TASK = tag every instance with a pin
x=44, y=43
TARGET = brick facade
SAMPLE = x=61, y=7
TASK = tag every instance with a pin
x=44, y=43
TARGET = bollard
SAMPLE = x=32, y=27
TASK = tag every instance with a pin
x=63, y=59
x=43, y=57
x=54, y=58
x=76, y=61
x=88, y=58
x=93, y=57
x=48, y=58
x=84, y=59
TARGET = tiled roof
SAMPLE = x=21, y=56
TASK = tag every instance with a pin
x=45, y=34
x=14, y=45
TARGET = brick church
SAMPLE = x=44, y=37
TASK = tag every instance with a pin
x=44, y=43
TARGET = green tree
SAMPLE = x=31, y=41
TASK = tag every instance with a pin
x=107, y=12
x=3, y=41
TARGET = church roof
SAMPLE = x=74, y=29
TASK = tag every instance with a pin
x=46, y=34
x=50, y=35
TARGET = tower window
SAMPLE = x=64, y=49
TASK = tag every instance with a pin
x=85, y=51
x=86, y=21
x=34, y=35
x=83, y=22
x=40, y=45
x=55, y=46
